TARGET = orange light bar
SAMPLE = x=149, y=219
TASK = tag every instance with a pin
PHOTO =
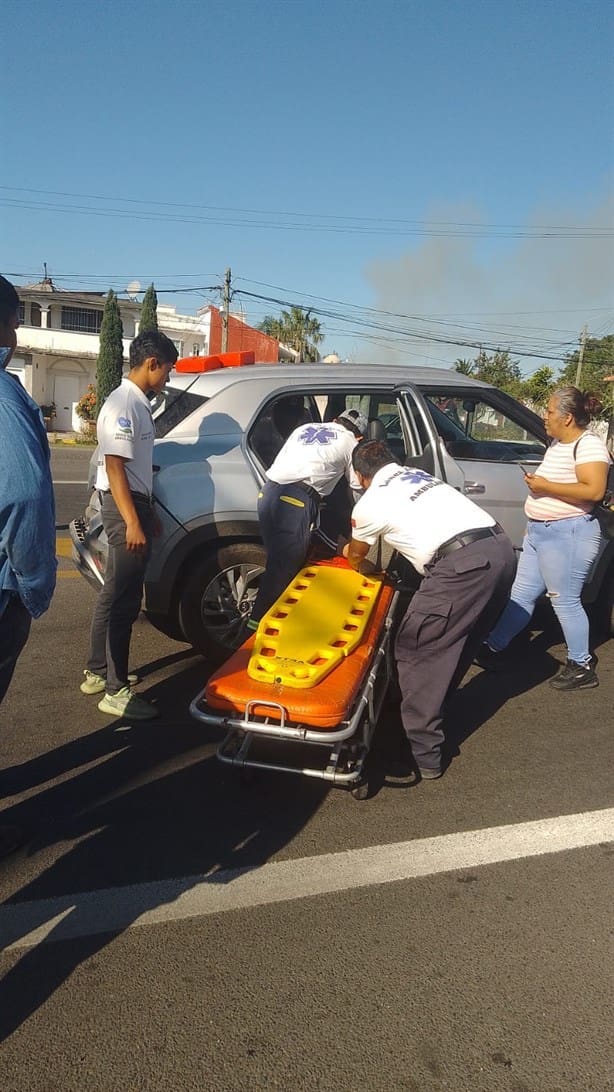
x=213, y=363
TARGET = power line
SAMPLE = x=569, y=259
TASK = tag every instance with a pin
x=388, y=327
x=306, y=215
x=416, y=335
x=352, y=226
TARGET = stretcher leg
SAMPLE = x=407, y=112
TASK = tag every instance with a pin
x=255, y=739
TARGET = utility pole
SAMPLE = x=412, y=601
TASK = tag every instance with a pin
x=225, y=310
x=583, y=337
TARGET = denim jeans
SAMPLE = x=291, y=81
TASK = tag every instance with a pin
x=14, y=629
x=556, y=557
x=119, y=599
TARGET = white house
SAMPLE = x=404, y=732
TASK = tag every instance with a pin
x=58, y=342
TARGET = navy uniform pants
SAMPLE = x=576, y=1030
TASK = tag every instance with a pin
x=455, y=606
x=287, y=514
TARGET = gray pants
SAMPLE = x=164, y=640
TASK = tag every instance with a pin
x=455, y=606
x=119, y=599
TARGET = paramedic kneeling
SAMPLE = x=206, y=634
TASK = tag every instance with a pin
x=468, y=564
x=313, y=459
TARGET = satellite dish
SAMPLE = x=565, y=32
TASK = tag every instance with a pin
x=133, y=288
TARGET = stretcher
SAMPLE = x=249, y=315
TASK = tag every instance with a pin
x=323, y=728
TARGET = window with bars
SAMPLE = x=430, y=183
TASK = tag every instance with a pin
x=84, y=320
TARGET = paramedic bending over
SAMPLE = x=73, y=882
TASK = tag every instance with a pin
x=562, y=538
x=468, y=566
x=311, y=462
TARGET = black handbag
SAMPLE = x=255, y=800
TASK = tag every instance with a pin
x=604, y=509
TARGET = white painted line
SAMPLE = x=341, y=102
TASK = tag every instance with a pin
x=56, y=481
x=115, y=909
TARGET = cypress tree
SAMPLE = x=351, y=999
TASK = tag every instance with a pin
x=149, y=311
x=111, y=352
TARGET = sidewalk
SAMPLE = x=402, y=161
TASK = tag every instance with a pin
x=71, y=438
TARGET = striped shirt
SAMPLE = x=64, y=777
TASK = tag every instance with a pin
x=559, y=465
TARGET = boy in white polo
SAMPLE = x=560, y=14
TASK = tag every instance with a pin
x=124, y=479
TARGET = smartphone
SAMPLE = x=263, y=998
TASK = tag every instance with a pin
x=526, y=469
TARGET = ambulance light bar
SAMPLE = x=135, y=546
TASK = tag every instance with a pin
x=213, y=363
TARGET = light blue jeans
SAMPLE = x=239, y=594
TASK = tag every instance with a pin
x=556, y=557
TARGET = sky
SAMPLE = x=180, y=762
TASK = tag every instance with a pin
x=427, y=178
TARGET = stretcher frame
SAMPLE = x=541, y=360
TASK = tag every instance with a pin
x=346, y=746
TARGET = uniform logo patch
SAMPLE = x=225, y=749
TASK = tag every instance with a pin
x=415, y=476
x=317, y=434
x=124, y=424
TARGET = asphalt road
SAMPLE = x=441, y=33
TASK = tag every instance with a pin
x=170, y=928
x=69, y=469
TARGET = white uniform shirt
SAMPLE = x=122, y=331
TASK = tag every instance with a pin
x=125, y=427
x=415, y=512
x=317, y=454
x=559, y=465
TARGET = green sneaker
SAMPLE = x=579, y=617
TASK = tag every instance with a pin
x=126, y=704
x=96, y=684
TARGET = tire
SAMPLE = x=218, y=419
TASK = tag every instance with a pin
x=167, y=625
x=217, y=597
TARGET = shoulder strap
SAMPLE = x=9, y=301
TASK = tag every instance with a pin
x=575, y=446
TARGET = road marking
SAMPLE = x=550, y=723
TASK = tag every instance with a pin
x=116, y=909
x=56, y=481
x=67, y=574
x=63, y=547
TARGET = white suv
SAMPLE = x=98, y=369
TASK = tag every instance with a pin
x=216, y=438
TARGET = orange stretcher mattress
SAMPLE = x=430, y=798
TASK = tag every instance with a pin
x=323, y=706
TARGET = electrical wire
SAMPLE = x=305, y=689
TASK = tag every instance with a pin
x=320, y=223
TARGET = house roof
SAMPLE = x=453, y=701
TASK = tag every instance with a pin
x=46, y=285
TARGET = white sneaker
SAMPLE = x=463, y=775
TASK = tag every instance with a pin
x=96, y=684
x=126, y=704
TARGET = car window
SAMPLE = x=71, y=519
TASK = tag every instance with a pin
x=172, y=406
x=379, y=407
x=275, y=423
x=474, y=428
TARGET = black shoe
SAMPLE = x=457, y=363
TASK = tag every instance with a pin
x=488, y=659
x=575, y=677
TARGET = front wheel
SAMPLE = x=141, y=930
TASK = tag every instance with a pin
x=217, y=598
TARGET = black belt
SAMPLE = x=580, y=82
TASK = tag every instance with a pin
x=308, y=489
x=465, y=539
x=133, y=492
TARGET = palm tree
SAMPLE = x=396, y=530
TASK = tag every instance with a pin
x=271, y=326
x=297, y=329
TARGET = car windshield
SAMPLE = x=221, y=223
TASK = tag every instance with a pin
x=173, y=405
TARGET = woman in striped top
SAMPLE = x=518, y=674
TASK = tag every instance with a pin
x=562, y=537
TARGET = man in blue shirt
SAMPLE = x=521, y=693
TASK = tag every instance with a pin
x=27, y=514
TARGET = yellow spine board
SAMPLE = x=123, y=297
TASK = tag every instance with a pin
x=319, y=619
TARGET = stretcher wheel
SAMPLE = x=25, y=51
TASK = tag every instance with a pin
x=360, y=791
